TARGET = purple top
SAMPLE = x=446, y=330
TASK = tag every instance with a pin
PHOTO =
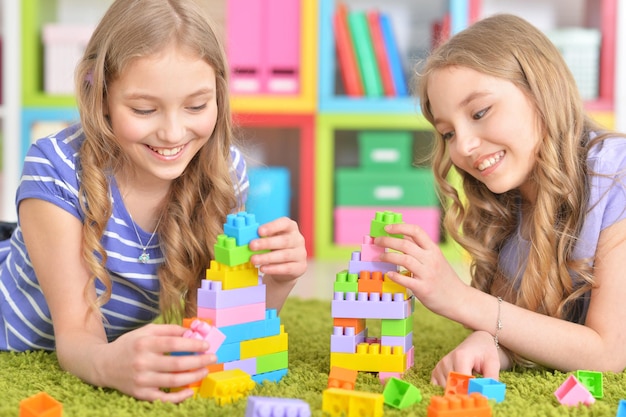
x=607, y=206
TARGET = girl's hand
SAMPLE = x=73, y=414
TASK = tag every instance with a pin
x=287, y=259
x=434, y=282
x=476, y=354
x=139, y=364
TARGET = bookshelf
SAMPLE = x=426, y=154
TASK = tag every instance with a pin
x=313, y=131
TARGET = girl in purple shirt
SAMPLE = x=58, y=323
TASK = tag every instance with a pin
x=540, y=210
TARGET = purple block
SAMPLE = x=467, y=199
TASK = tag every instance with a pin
x=346, y=305
x=344, y=340
x=405, y=341
x=271, y=406
x=357, y=265
x=211, y=295
x=246, y=365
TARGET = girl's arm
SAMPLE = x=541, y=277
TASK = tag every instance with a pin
x=559, y=344
x=286, y=261
x=136, y=363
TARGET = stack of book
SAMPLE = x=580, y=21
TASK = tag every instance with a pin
x=367, y=53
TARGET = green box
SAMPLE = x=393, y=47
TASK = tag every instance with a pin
x=411, y=188
x=382, y=150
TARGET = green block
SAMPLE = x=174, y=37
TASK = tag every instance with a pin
x=396, y=327
x=401, y=394
x=228, y=253
x=272, y=362
x=346, y=282
x=382, y=219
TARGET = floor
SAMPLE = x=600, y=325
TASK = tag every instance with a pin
x=318, y=281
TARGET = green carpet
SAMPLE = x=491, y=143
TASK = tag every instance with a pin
x=308, y=322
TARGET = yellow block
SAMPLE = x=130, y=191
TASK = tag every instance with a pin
x=231, y=277
x=338, y=402
x=371, y=358
x=264, y=345
x=227, y=386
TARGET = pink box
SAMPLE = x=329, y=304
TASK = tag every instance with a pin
x=282, y=47
x=64, y=46
x=245, y=45
x=352, y=223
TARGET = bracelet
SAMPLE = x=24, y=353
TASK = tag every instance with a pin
x=498, y=325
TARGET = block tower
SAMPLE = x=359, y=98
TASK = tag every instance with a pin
x=232, y=299
x=363, y=292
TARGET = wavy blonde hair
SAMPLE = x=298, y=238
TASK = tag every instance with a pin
x=200, y=199
x=509, y=48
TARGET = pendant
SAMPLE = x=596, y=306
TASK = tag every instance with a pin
x=144, y=258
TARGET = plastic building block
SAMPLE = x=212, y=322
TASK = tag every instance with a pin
x=212, y=295
x=371, y=282
x=274, y=376
x=226, y=386
x=406, y=342
x=264, y=346
x=271, y=406
x=370, y=251
x=341, y=402
x=232, y=277
x=394, y=288
x=233, y=315
x=592, y=380
x=272, y=362
x=344, y=339
x=346, y=282
x=246, y=365
x=371, y=358
x=366, y=307
x=204, y=331
x=241, y=226
x=382, y=219
x=401, y=394
x=488, y=387
x=342, y=378
x=40, y=405
x=459, y=405
x=572, y=392
x=254, y=329
x=621, y=409
x=228, y=253
x=357, y=324
x=229, y=352
x=357, y=265
x=457, y=383
x=396, y=327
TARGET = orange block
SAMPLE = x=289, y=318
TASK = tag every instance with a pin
x=342, y=378
x=40, y=405
x=371, y=282
x=475, y=405
x=358, y=324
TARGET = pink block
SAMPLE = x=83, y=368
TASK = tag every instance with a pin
x=204, y=331
x=351, y=221
x=572, y=392
x=282, y=47
x=233, y=315
x=245, y=44
x=369, y=251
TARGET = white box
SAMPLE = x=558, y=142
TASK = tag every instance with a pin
x=580, y=48
x=64, y=46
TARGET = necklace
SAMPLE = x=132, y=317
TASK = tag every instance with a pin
x=145, y=256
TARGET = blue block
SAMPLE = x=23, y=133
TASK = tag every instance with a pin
x=229, y=352
x=488, y=387
x=242, y=226
x=621, y=409
x=274, y=376
x=253, y=329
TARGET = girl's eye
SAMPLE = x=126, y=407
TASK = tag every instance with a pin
x=198, y=108
x=480, y=114
x=447, y=135
x=142, y=112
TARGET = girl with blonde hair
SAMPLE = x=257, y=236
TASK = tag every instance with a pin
x=118, y=214
x=540, y=211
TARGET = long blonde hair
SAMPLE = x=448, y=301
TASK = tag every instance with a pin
x=509, y=48
x=199, y=200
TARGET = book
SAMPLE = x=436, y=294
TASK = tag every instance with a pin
x=395, y=62
x=346, y=55
x=361, y=37
x=380, y=51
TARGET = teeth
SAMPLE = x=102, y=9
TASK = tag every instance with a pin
x=490, y=161
x=167, y=151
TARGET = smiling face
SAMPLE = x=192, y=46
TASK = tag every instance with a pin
x=162, y=110
x=489, y=125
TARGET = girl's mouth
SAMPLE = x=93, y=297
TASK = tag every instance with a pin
x=488, y=162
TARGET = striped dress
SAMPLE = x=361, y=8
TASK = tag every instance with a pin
x=50, y=174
